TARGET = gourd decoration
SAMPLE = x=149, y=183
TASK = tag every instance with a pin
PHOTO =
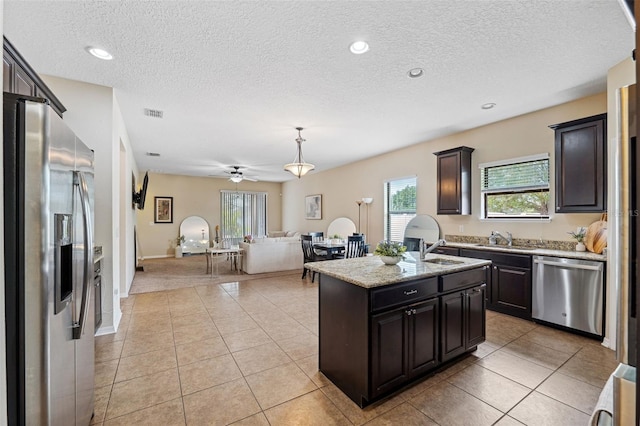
x=595, y=238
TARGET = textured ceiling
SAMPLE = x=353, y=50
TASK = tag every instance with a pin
x=235, y=78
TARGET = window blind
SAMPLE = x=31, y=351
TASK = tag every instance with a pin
x=400, y=206
x=242, y=213
x=516, y=177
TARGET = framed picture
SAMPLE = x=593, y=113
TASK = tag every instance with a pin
x=163, y=211
x=313, y=207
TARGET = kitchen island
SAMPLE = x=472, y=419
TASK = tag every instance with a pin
x=383, y=326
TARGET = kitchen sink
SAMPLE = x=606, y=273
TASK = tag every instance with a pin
x=442, y=261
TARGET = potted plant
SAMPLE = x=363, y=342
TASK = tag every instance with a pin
x=390, y=252
x=336, y=239
x=181, y=239
x=579, y=237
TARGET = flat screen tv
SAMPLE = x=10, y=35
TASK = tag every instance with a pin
x=140, y=197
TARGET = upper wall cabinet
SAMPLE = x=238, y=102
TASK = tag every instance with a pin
x=19, y=77
x=454, y=181
x=581, y=165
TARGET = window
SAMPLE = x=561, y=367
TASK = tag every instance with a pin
x=399, y=207
x=516, y=188
x=242, y=213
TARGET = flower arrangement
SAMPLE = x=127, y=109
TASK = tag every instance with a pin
x=217, y=239
x=181, y=239
x=390, y=248
x=579, y=236
x=248, y=238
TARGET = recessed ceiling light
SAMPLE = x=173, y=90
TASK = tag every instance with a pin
x=99, y=53
x=359, y=47
x=488, y=105
x=415, y=73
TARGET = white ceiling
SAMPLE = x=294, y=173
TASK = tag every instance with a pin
x=234, y=79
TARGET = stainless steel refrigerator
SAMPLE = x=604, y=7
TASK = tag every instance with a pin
x=627, y=173
x=48, y=227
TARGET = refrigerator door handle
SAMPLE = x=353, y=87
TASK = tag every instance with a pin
x=78, y=179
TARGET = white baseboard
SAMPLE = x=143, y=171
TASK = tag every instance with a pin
x=606, y=343
x=105, y=330
x=156, y=257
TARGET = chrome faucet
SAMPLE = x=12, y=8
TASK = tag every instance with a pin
x=424, y=250
x=493, y=238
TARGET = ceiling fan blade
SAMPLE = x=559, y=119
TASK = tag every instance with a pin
x=250, y=179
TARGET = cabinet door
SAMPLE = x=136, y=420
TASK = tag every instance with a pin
x=476, y=316
x=511, y=290
x=7, y=72
x=449, y=190
x=388, y=350
x=580, y=150
x=423, y=337
x=23, y=84
x=453, y=319
x=454, y=181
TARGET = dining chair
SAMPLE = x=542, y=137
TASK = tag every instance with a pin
x=355, y=246
x=318, y=237
x=309, y=255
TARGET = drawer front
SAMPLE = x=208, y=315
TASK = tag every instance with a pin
x=450, y=251
x=405, y=293
x=511, y=259
x=463, y=279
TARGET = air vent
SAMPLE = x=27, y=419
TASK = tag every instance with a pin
x=155, y=113
x=153, y=154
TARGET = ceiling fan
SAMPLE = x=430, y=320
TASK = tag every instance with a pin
x=237, y=176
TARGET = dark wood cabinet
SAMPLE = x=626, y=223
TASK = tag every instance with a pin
x=373, y=341
x=20, y=78
x=581, y=165
x=463, y=321
x=450, y=251
x=511, y=290
x=476, y=312
x=404, y=344
x=509, y=282
x=454, y=181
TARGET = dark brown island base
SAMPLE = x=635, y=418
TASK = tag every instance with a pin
x=384, y=326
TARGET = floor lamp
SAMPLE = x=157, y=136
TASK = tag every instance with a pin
x=367, y=201
x=359, y=203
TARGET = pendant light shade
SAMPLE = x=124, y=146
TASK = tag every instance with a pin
x=299, y=168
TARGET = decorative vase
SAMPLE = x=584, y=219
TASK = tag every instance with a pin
x=391, y=260
x=178, y=251
x=580, y=247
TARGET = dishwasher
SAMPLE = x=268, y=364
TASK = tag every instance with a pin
x=569, y=292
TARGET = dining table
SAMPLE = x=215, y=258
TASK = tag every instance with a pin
x=331, y=248
x=232, y=254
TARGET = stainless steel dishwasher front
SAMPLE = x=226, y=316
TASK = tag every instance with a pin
x=569, y=292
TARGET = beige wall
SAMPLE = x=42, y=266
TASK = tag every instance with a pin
x=193, y=196
x=520, y=136
x=93, y=114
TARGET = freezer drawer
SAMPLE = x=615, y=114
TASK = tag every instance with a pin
x=569, y=292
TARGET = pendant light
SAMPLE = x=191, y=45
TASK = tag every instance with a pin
x=299, y=168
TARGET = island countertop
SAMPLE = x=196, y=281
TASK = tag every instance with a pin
x=370, y=272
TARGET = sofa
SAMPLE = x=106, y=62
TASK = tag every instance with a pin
x=271, y=254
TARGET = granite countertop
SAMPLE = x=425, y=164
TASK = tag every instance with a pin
x=585, y=255
x=370, y=272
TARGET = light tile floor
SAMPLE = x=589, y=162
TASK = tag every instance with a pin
x=246, y=353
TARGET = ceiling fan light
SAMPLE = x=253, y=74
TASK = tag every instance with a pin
x=236, y=179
